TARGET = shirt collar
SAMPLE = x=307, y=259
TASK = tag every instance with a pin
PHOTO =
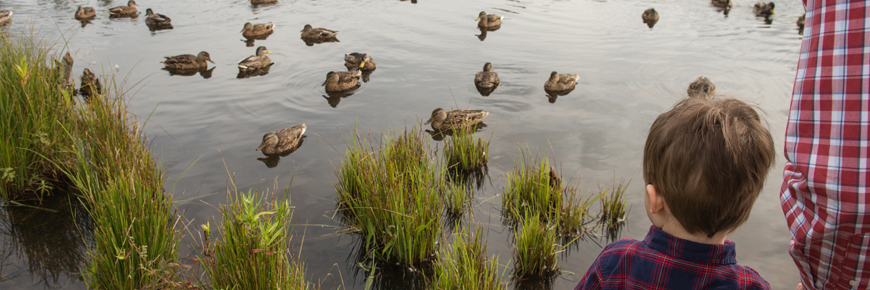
x=691, y=251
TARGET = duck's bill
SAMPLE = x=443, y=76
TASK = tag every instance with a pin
x=269, y=52
x=772, y=12
x=478, y=18
x=209, y=61
x=428, y=122
x=243, y=30
x=362, y=64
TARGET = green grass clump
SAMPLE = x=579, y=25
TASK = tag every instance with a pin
x=392, y=196
x=464, y=264
x=613, y=205
x=536, y=249
x=34, y=114
x=465, y=151
x=251, y=247
x=537, y=190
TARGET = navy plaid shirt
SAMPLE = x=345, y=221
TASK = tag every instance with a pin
x=662, y=261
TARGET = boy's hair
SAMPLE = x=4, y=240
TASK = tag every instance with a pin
x=708, y=159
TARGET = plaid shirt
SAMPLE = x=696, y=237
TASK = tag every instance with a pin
x=825, y=183
x=662, y=261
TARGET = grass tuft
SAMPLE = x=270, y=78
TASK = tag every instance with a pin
x=536, y=249
x=465, y=151
x=464, y=265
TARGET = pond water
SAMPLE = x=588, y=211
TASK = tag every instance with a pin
x=427, y=54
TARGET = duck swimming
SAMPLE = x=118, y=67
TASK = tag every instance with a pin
x=488, y=20
x=342, y=80
x=361, y=61
x=561, y=82
x=188, y=61
x=124, y=11
x=257, y=30
x=84, y=13
x=487, y=78
x=701, y=88
x=282, y=141
x=442, y=120
x=258, y=61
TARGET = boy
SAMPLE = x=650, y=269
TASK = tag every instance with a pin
x=704, y=164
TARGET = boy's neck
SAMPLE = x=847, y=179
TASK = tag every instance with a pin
x=674, y=228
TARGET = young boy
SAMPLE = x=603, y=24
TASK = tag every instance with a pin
x=704, y=164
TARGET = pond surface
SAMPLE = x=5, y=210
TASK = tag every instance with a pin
x=427, y=54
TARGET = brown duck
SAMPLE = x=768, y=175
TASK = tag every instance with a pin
x=84, y=13
x=282, y=141
x=257, y=30
x=763, y=9
x=317, y=34
x=342, y=80
x=123, y=11
x=90, y=84
x=701, y=88
x=258, y=61
x=650, y=17
x=488, y=20
x=722, y=3
x=442, y=120
x=361, y=61
x=154, y=19
x=188, y=61
x=487, y=78
x=561, y=82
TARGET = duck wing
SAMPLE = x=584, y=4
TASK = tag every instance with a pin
x=568, y=79
x=349, y=76
x=263, y=27
x=460, y=117
x=180, y=59
x=288, y=137
x=160, y=18
x=323, y=32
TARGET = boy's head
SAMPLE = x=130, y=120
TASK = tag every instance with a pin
x=708, y=159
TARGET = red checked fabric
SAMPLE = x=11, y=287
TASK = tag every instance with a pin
x=825, y=184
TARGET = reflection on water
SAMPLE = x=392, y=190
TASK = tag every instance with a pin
x=272, y=160
x=313, y=41
x=438, y=135
x=334, y=98
x=53, y=239
x=553, y=95
x=205, y=73
x=483, y=31
x=243, y=74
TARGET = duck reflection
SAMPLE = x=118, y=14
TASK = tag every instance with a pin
x=483, y=31
x=204, y=73
x=438, y=135
x=243, y=74
x=312, y=42
x=553, y=95
x=473, y=178
x=249, y=41
x=272, y=160
x=333, y=98
x=86, y=22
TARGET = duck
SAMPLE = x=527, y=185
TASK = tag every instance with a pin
x=263, y=1
x=317, y=34
x=650, y=16
x=555, y=181
x=257, y=30
x=701, y=88
x=84, y=13
x=442, y=120
x=722, y=3
x=282, y=141
x=257, y=61
x=361, y=61
x=488, y=20
x=342, y=80
x=5, y=17
x=154, y=19
x=801, y=21
x=763, y=9
x=561, y=82
x=64, y=69
x=487, y=78
x=121, y=11
x=90, y=84
x=188, y=61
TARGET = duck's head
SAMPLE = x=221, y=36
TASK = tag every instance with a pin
x=248, y=26
x=132, y=3
x=307, y=28
x=438, y=116
x=88, y=73
x=261, y=51
x=481, y=15
x=149, y=12
x=330, y=76
x=204, y=56
x=270, y=139
x=487, y=67
x=771, y=7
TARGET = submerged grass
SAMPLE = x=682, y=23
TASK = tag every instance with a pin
x=34, y=113
x=464, y=264
x=251, y=250
x=392, y=196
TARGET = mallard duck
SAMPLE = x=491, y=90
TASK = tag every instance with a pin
x=561, y=82
x=317, y=34
x=488, y=20
x=442, y=120
x=486, y=78
x=361, y=61
x=701, y=88
x=722, y=3
x=263, y=1
x=188, y=61
x=763, y=9
x=84, y=13
x=555, y=181
x=5, y=17
x=257, y=30
x=257, y=61
x=154, y=19
x=342, y=80
x=801, y=21
x=121, y=11
x=90, y=84
x=64, y=70
x=281, y=141
x=650, y=16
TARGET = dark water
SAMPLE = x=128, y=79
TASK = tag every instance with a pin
x=427, y=54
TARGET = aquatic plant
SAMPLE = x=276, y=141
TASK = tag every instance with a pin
x=392, y=196
x=251, y=247
x=536, y=249
x=613, y=205
x=464, y=150
x=464, y=265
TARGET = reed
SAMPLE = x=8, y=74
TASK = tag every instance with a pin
x=613, y=205
x=392, y=196
x=251, y=248
x=536, y=249
x=464, y=150
x=457, y=199
x=464, y=264
x=34, y=113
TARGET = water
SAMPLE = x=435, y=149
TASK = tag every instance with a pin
x=427, y=54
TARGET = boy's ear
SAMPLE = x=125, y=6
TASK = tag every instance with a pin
x=657, y=202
